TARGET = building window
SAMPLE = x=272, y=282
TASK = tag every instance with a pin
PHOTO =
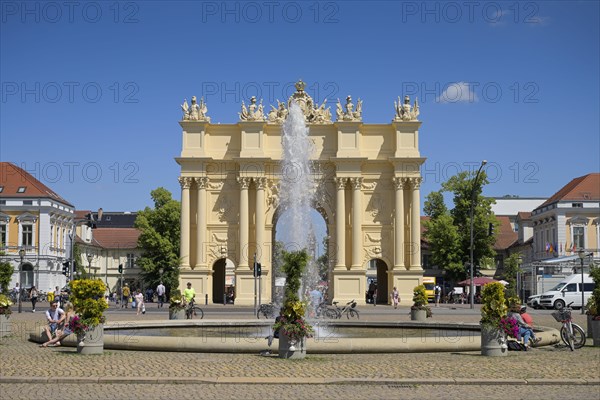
x=21, y=189
x=577, y=205
x=3, y=238
x=1, y=189
x=578, y=237
x=130, y=260
x=27, y=202
x=27, y=235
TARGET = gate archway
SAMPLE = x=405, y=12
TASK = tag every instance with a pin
x=367, y=181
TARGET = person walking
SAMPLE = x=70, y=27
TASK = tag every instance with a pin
x=33, y=296
x=160, y=291
x=139, y=302
x=125, y=292
x=395, y=297
x=437, y=291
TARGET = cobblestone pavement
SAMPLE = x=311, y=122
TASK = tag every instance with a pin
x=551, y=372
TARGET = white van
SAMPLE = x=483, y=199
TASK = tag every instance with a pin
x=568, y=291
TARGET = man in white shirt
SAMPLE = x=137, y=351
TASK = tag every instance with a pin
x=160, y=291
x=55, y=317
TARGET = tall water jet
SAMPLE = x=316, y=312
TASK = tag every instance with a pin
x=297, y=189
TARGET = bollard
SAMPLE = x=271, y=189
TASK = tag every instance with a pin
x=206, y=299
x=224, y=299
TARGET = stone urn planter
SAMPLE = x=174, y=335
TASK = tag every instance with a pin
x=493, y=342
x=594, y=326
x=92, y=342
x=418, y=315
x=291, y=349
x=176, y=313
x=4, y=326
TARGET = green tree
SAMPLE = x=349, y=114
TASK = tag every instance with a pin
x=511, y=269
x=449, y=231
x=159, y=240
x=6, y=271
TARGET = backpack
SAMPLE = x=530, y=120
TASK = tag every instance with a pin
x=513, y=345
x=437, y=290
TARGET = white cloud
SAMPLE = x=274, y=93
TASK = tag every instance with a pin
x=458, y=92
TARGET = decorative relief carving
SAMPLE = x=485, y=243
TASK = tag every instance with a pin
x=253, y=112
x=216, y=185
x=416, y=183
x=223, y=208
x=350, y=114
x=340, y=183
x=312, y=113
x=244, y=182
x=373, y=237
x=404, y=111
x=399, y=183
x=195, y=112
x=272, y=195
x=369, y=186
x=261, y=183
x=377, y=206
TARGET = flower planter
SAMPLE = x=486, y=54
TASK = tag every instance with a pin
x=4, y=326
x=176, y=314
x=589, y=329
x=595, y=328
x=291, y=349
x=418, y=315
x=493, y=342
x=92, y=342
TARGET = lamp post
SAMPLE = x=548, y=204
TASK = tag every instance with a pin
x=22, y=256
x=472, y=286
x=581, y=254
x=90, y=257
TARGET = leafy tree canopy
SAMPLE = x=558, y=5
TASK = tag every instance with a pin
x=159, y=239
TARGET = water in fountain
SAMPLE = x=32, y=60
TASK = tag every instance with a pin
x=297, y=187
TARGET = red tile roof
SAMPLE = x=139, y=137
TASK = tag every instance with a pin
x=116, y=238
x=12, y=178
x=584, y=188
x=505, y=234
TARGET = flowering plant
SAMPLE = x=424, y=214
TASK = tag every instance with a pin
x=176, y=300
x=293, y=329
x=87, y=296
x=77, y=326
x=510, y=326
x=420, y=300
x=5, y=304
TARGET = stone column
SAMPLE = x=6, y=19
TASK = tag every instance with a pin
x=356, y=222
x=261, y=184
x=244, y=222
x=399, y=184
x=201, y=184
x=185, y=221
x=415, y=224
x=340, y=227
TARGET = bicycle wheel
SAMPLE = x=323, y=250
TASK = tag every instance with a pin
x=567, y=337
x=197, y=312
x=578, y=336
x=330, y=313
x=352, y=313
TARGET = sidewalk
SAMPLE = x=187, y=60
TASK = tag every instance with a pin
x=24, y=366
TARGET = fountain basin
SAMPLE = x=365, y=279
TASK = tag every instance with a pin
x=404, y=337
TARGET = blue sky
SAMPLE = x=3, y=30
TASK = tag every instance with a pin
x=91, y=90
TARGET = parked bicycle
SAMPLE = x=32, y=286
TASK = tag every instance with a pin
x=571, y=334
x=266, y=310
x=349, y=310
x=192, y=310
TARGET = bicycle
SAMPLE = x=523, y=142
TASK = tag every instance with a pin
x=267, y=310
x=571, y=334
x=349, y=309
x=192, y=310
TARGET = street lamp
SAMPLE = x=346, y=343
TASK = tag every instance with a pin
x=581, y=254
x=90, y=257
x=22, y=256
x=472, y=286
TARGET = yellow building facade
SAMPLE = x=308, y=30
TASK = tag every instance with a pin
x=367, y=190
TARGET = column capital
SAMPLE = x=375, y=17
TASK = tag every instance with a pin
x=340, y=183
x=261, y=183
x=185, y=182
x=202, y=182
x=244, y=182
x=400, y=183
x=356, y=183
x=416, y=182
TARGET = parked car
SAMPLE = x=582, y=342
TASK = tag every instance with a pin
x=534, y=301
x=568, y=291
